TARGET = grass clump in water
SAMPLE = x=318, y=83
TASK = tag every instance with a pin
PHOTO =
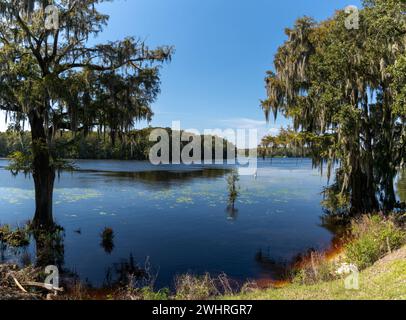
x=16, y=238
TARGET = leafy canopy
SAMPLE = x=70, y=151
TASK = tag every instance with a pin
x=57, y=77
x=345, y=91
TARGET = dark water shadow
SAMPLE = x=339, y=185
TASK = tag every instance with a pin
x=157, y=179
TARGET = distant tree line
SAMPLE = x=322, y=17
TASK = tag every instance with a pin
x=133, y=145
x=288, y=143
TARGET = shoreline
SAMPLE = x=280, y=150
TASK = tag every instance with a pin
x=391, y=265
x=312, y=272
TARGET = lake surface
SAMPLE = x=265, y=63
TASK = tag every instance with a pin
x=176, y=217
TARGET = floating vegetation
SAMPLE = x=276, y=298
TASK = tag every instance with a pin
x=76, y=194
x=19, y=195
x=215, y=193
x=16, y=195
x=184, y=200
x=20, y=237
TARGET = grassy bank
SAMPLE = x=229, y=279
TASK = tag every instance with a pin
x=375, y=245
x=385, y=280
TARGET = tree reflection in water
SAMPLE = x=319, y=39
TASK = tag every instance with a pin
x=129, y=273
x=107, y=242
x=50, y=249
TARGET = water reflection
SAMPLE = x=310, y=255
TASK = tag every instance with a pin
x=47, y=246
x=128, y=273
x=177, y=217
x=164, y=178
x=50, y=249
x=279, y=269
x=107, y=242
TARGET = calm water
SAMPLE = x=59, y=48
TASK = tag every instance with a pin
x=177, y=217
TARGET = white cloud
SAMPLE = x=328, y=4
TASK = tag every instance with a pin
x=244, y=123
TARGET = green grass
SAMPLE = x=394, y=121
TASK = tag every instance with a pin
x=374, y=236
x=385, y=280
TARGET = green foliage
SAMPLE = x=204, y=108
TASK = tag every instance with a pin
x=401, y=186
x=287, y=143
x=233, y=189
x=383, y=281
x=133, y=145
x=20, y=162
x=398, y=71
x=12, y=141
x=335, y=202
x=316, y=271
x=74, y=86
x=57, y=81
x=148, y=294
x=373, y=237
x=14, y=238
x=345, y=92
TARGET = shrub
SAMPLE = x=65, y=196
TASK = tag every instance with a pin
x=314, y=269
x=4, y=232
x=189, y=287
x=150, y=295
x=14, y=238
x=372, y=238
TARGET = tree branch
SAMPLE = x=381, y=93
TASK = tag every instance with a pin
x=9, y=107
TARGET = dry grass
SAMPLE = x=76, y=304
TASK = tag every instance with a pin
x=189, y=287
x=8, y=288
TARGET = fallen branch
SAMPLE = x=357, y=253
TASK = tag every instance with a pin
x=17, y=283
x=44, y=286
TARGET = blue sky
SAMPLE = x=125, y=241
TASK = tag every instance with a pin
x=223, y=49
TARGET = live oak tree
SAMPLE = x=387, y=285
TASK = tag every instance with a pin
x=345, y=91
x=52, y=78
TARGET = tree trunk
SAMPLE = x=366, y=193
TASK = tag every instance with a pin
x=389, y=201
x=363, y=194
x=113, y=137
x=43, y=174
